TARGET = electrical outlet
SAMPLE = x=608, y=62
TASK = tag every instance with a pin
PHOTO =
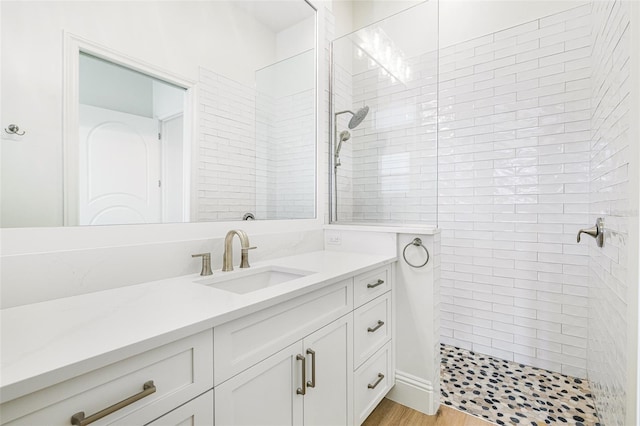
x=334, y=238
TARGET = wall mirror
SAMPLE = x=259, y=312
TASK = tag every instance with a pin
x=157, y=111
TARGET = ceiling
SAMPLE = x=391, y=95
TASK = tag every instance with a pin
x=276, y=15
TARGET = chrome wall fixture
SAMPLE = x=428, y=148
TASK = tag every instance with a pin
x=356, y=118
x=417, y=242
x=13, y=129
x=596, y=231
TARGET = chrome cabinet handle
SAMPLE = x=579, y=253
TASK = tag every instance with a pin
x=597, y=232
x=380, y=324
x=376, y=284
x=303, y=389
x=79, y=419
x=377, y=382
x=312, y=383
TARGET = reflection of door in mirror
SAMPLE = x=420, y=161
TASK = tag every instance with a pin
x=119, y=170
x=130, y=166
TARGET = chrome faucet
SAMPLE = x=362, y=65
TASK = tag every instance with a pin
x=227, y=258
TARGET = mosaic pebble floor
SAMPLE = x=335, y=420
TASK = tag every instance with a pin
x=508, y=393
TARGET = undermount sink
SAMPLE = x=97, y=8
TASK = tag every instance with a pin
x=245, y=281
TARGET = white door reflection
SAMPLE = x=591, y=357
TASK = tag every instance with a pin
x=132, y=165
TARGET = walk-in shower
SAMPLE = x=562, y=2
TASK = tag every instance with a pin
x=509, y=139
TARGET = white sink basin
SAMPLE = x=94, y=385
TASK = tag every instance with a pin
x=242, y=281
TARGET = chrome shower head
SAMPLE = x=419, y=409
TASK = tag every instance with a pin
x=358, y=116
x=344, y=136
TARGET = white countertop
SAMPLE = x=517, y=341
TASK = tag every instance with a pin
x=45, y=343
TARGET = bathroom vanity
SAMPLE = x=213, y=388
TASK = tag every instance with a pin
x=314, y=349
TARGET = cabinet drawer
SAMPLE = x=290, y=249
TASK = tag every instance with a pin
x=372, y=328
x=197, y=412
x=372, y=382
x=370, y=285
x=241, y=343
x=180, y=371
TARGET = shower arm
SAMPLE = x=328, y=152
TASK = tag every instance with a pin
x=344, y=112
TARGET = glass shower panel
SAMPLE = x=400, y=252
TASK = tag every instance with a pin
x=285, y=138
x=384, y=137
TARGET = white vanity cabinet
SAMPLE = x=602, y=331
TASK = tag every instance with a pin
x=374, y=373
x=197, y=412
x=305, y=383
x=145, y=387
x=295, y=363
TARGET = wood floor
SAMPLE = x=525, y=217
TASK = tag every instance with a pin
x=389, y=413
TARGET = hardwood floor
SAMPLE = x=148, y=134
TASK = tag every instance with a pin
x=389, y=413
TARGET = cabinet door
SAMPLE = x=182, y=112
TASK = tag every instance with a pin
x=328, y=403
x=197, y=412
x=264, y=394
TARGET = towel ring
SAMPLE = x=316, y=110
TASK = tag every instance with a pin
x=418, y=243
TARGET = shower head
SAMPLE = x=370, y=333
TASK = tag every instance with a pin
x=344, y=136
x=358, y=117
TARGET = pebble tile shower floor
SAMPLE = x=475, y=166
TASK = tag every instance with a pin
x=508, y=393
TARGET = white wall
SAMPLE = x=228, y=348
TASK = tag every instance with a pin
x=295, y=39
x=613, y=196
x=106, y=85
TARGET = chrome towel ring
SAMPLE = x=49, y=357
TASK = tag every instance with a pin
x=418, y=243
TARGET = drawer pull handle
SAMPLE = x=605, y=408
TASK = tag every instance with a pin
x=377, y=382
x=312, y=383
x=374, y=329
x=79, y=419
x=376, y=284
x=303, y=389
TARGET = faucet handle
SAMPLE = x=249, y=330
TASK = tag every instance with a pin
x=244, y=257
x=206, y=263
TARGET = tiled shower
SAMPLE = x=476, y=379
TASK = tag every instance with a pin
x=240, y=169
x=509, y=142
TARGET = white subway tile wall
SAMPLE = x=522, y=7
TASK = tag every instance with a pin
x=513, y=186
x=257, y=152
x=226, y=170
x=389, y=166
x=609, y=198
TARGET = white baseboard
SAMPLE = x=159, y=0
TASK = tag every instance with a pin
x=415, y=392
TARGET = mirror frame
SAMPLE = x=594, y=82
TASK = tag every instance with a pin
x=73, y=45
